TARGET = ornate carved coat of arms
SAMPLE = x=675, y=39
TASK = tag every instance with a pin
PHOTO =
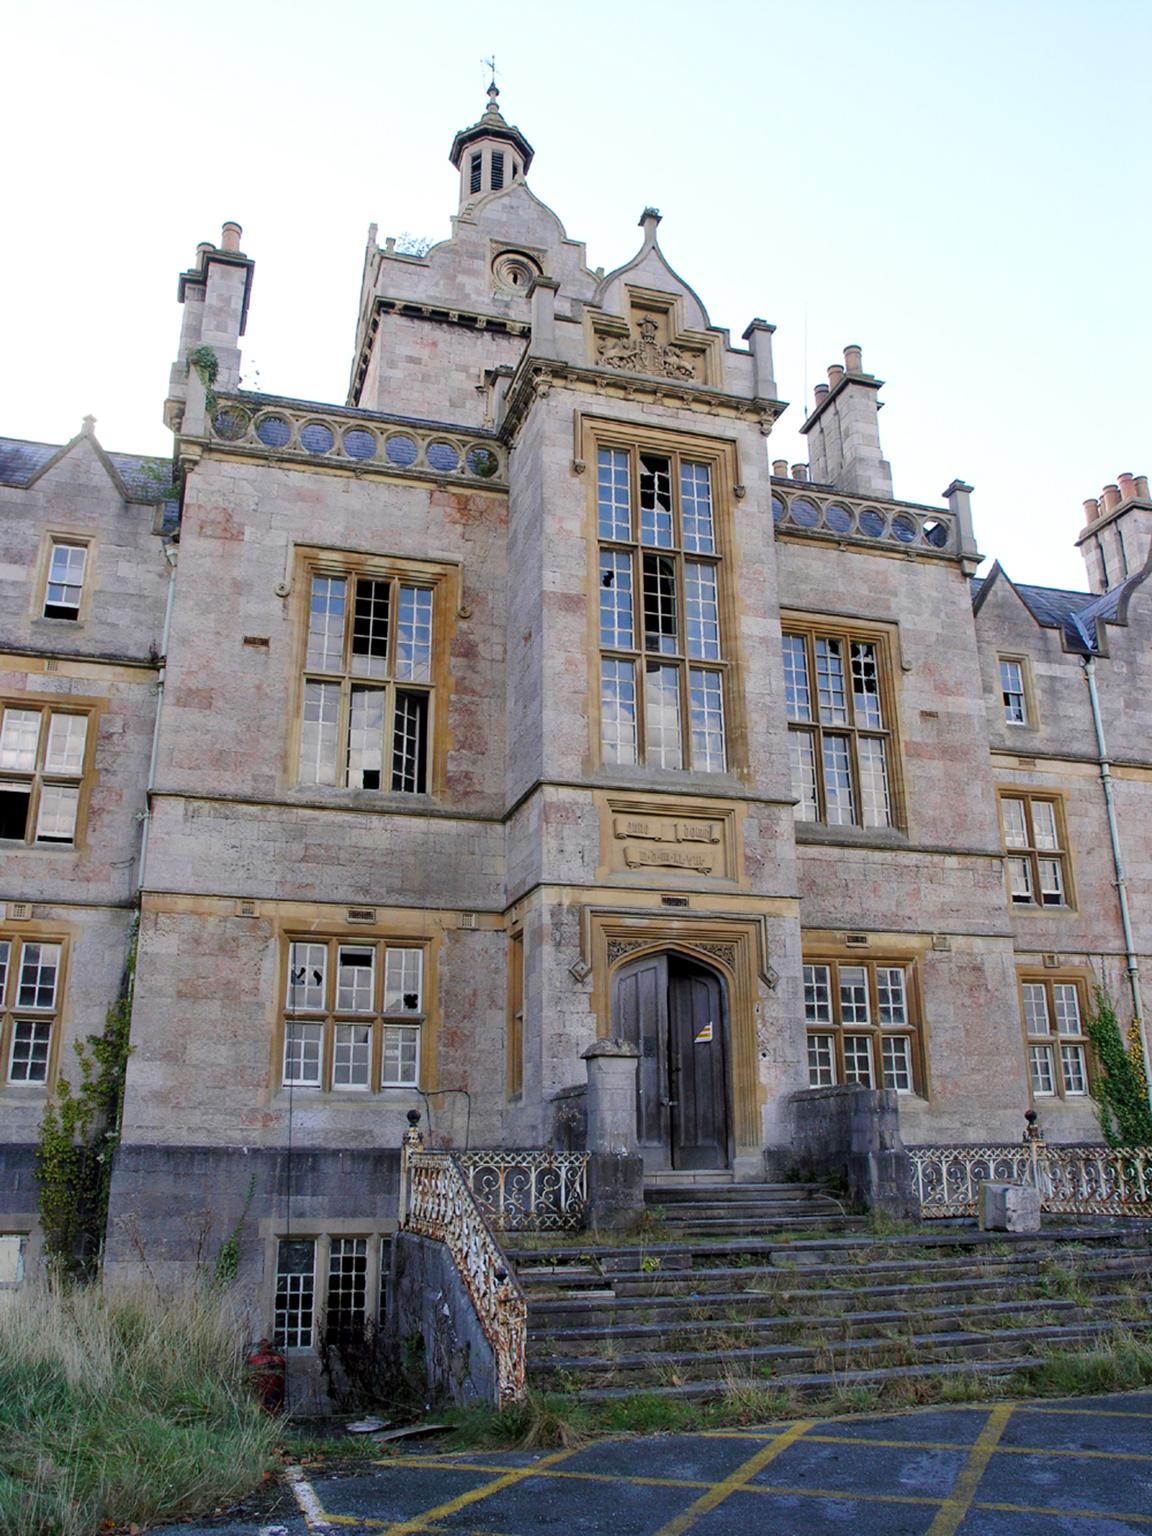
x=643, y=353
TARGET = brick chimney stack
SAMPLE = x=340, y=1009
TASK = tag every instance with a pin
x=214, y=292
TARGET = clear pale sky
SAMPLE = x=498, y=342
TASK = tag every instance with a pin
x=961, y=189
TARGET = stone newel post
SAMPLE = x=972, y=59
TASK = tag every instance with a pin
x=615, y=1170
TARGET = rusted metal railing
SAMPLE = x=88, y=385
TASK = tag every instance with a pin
x=1072, y=1180
x=533, y=1190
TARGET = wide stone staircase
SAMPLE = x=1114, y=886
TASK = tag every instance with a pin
x=738, y=1285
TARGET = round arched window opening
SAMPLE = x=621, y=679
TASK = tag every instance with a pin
x=514, y=271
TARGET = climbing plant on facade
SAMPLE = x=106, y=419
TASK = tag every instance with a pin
x=1120, y=1092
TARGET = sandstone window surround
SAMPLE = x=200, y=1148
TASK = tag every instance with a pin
x=45, y=754
x=333, y=1283
x=862, y=1019
x=841, y=716
x=373, y=669
x=64, y=584
x=1036, y=863
x=1016, y=691
x=1054, y=1035
x=31, y=990
x=664, y=657
x=354, y=1016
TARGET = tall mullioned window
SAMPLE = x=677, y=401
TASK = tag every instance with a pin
x=353, y=1015
x=368, y=671
x=1037, y=855
x=662, y=665
x=42, y=760
x=1055, y=1037
x=839, y=727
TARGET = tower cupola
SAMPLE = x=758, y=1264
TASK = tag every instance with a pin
x=490, y=155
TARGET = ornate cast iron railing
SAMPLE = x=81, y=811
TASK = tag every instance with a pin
x=289, y=430
x=798, y=507
x=537, y=1191
x=438, y=1204
x=1072, y=1180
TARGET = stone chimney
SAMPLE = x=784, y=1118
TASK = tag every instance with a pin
x=843, y=431
x=215, y=292
x=1117, y=537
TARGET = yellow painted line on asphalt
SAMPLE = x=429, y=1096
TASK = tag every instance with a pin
x=1089, y=1413
x=999, y=1450
x=1065, y=1514
x=956, y=1506
x=735, y=1480
x=508, y=1479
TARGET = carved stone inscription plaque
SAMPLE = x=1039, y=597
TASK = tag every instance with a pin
x=693, y=845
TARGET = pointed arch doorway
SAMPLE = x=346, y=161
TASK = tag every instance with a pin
x=675, y=1011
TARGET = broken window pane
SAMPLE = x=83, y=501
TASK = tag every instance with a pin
x=295, y=1293
x=660, y=626
x=804, y=776
x=355, y=979
x=15, y=800
x=865, y=686
x=655, y=500
x=307, y=974
x=403, y=977
x=616, y=629
x=347, y=1288
x=370, y=629
x=410, y=743
x=1012, y=692
x=19, y=737
x=326, y=624
x=365, y=737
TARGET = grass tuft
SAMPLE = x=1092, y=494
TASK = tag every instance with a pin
x=129, y=1408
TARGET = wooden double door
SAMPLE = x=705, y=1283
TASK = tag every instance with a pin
x=675, y=1012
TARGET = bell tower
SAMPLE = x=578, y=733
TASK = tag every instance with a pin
x=490, y=155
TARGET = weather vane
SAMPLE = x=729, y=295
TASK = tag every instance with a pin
x=490, y=64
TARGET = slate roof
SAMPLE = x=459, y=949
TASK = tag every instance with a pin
x=1078, y=614
x=144, y=477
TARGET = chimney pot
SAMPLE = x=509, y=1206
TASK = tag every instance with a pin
x=1091, y=509
x=780, y=468
x=799, y=471
x=204, y=247
x=853, y=359
x=835, y=374
x=820, y=392
x=1110, y=496
x=230, y=237
x=1127, y=485
x=1142, y=487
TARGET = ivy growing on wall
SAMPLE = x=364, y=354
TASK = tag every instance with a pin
x=78, y=1135
x=207, y=366
x=1120, y=1091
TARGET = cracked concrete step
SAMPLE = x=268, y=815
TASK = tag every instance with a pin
x=817, y=1383
x=560, y=1340
x=611, y=1310
x=778, y=1361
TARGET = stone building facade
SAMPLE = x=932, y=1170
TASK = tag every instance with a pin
x=522, y=701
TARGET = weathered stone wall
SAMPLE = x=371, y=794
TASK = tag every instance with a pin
x=429, y=1302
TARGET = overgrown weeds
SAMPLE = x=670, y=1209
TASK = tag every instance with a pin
x=124, y=1408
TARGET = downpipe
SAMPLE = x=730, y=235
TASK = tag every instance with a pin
x=170, y=554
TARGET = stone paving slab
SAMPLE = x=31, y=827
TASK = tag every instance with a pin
x=1076, y=1467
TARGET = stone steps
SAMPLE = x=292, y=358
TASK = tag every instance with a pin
x=746, y=1285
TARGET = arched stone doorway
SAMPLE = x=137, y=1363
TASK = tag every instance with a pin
x=675, y=1011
